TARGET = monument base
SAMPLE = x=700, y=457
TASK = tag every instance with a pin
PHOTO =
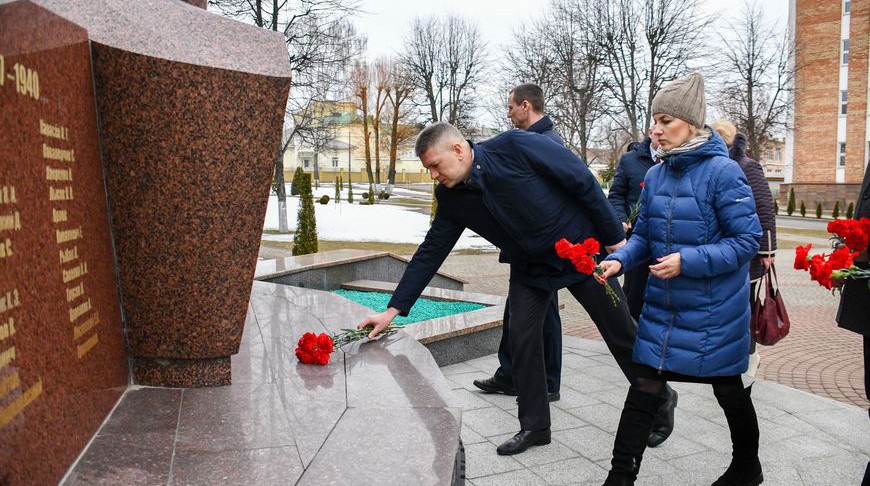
x=186, y=373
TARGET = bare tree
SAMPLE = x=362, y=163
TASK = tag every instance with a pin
x=581, y=75
x=446, y=57
x=381, y=76
x=754, y=96
x=674, y=32
x=361, y=81
x=399, y=91
x=647, y=43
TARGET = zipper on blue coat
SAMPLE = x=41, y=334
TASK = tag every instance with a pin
x=679, y=176
x=665, y=343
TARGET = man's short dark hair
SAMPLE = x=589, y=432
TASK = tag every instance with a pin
x=433, y=134
x=531, y=93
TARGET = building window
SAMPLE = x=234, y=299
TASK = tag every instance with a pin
x=844, y=98
x=335, y=162
x=305, y=163
x=778, y=155
x=847, y=7
x=841, y=156
x=845, y=51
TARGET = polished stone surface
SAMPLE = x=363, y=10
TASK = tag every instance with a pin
x=282, y=422
x=330, y=269
x=62, y=360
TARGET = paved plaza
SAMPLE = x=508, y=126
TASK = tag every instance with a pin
x=809, y=396
x=805, y=439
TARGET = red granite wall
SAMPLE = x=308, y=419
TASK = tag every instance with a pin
x=62, y=360
x=189, y=153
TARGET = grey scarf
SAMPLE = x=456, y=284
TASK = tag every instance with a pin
x=692, y=144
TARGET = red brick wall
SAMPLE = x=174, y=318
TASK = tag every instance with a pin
x=856, y=125
x=817, y=59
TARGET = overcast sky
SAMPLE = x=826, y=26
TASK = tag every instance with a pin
x=387, y=21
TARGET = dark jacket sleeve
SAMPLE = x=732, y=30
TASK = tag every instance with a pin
x=763, y=205
x=561, y=165
x=439, y=241
x=619, y=192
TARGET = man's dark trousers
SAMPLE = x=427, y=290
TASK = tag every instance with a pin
x=552, y=348
x=527, y=309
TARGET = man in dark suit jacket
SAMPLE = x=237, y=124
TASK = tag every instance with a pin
x=521, y=192
x=526, y=112
x=854, y=312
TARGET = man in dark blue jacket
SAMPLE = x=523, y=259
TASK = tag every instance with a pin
x=526, y=112
x=521, y=192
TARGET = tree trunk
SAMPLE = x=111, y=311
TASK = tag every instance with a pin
x=282, y=192
x=377, y=129
x=368, y=148
x=394, y=145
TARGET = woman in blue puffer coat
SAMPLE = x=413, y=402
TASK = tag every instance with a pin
x=698, y=222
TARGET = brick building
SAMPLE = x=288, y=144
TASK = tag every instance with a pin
x=830, y=143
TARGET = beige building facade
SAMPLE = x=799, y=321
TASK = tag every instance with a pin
x=343, y=154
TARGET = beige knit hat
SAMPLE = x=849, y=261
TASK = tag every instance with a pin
x=684, y=99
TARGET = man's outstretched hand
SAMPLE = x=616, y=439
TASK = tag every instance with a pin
x=379, y=321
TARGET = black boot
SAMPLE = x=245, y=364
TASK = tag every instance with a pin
x=664, y=421
x=631, y=436
x=745, y=468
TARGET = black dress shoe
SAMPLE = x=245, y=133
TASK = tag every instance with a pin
x=523, y=440
x=490, y=385
x=551, y=397
x=664, y=421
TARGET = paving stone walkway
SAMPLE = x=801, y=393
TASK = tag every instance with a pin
x=805, y=439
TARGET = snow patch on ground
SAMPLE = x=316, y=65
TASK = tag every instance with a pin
x=351, y=222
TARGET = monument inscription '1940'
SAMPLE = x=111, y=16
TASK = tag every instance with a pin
x=62, y=363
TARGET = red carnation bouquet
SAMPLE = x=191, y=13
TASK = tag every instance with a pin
x=850, y=239
x=580, y=255
x=317, y=349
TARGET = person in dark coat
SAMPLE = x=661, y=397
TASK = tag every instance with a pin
x=697, y=221
x=759, y=265
x=623, y=196
x=854, y=311
x=526, y=112
x=522, y=192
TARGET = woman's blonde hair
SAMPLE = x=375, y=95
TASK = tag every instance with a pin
x=726, y=130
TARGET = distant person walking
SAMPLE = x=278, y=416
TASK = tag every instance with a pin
x=759, y=265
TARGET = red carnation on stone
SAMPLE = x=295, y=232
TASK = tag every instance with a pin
x=314, y=349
